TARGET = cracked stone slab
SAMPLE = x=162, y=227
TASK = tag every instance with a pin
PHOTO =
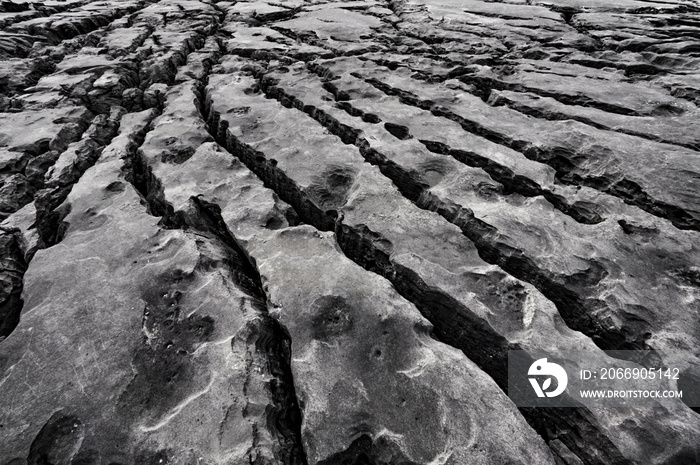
x=173, y=315
x=336, y=218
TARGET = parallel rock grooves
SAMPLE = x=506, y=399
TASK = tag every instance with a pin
x=203, y=219
x=47, y=223
x=163, y=164
x=269, y=337
x=515, y=182
x=157, y=362
x=511, y=181
x=496, y=98
x=627, y=190
x=579, y=313
x=455, y=324
x=654, y=129
x=159, y=326
x=486, y=86
x=68, y=170
x=78, y=155
x=77, y=28
x=31, y=154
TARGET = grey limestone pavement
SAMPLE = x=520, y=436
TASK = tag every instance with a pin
x=309, y=232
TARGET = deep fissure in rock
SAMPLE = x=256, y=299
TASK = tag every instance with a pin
x=572, y=426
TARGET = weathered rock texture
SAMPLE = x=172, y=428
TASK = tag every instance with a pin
x=308, y=232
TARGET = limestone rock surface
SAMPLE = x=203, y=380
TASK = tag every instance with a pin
x=310, y=232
